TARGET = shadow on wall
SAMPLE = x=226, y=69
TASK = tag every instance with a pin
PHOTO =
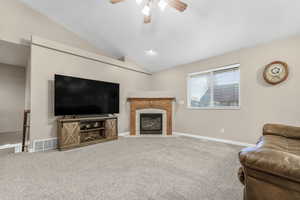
x=51, y=99
x=51, y=118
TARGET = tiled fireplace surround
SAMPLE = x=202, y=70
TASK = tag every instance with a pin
x=151, y=105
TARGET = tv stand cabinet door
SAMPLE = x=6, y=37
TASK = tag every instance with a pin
x=70, y=135
x=111, y=128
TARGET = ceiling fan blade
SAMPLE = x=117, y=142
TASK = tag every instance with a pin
x=178, y=5
x=147, y=19
x=116, y=1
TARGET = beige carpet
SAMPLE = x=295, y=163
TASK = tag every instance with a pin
x=145, y=168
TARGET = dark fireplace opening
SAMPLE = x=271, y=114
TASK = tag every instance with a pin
x=151, y=123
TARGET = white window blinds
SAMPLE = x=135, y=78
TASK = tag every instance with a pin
x=218, y=88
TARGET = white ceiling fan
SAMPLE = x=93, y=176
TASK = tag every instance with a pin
x=176, y=4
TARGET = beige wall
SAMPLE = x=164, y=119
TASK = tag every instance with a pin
x=12, y=95
x=18, y=22
x=260, y=102
x=43, y=122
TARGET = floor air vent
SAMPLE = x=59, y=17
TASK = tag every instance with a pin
x=44, y=145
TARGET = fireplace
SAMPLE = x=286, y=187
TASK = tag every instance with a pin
x=162, y=105
x=151, y=123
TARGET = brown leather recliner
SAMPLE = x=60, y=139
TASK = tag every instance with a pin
x=271, y=170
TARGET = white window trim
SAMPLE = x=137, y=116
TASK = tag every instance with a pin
x=236, y=65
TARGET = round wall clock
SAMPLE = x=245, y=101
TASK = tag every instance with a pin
x=276, y=72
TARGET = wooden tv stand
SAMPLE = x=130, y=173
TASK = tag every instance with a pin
x=78, y=132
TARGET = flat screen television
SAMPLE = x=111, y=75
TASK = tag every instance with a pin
x=77, y=96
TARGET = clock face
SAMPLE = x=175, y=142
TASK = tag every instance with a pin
x=276, y=72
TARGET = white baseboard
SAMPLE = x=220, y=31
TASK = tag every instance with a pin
x=127, y=134
x=124, y=134
x=17, y=147
x=214, y=139
x=150, y=136
x=11, y=132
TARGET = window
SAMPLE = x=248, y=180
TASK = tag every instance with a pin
x=219, y=88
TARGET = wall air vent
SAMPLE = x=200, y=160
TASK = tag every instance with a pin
x=44, y=144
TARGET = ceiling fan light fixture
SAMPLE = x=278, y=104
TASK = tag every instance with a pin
x=162, y=5
x=138, y=1
x=146, y=10
x=151, y=52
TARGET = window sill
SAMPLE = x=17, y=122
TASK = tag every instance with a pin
x=214, y=108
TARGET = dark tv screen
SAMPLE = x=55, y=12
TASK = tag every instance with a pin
x=77, y=96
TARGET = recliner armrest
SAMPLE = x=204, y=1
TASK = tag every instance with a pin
x=271, y=161
x=241, y=175
x=282, y=130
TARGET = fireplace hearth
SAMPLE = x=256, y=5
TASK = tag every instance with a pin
x=151, y=123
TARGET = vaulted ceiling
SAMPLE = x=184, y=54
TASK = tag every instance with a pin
x=207, y=28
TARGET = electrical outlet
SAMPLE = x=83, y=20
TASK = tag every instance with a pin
x=222, y=130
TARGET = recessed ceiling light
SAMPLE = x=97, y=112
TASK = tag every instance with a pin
x=146, y=10
x=139, y=2
x=162, y=4
x=151, y=52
